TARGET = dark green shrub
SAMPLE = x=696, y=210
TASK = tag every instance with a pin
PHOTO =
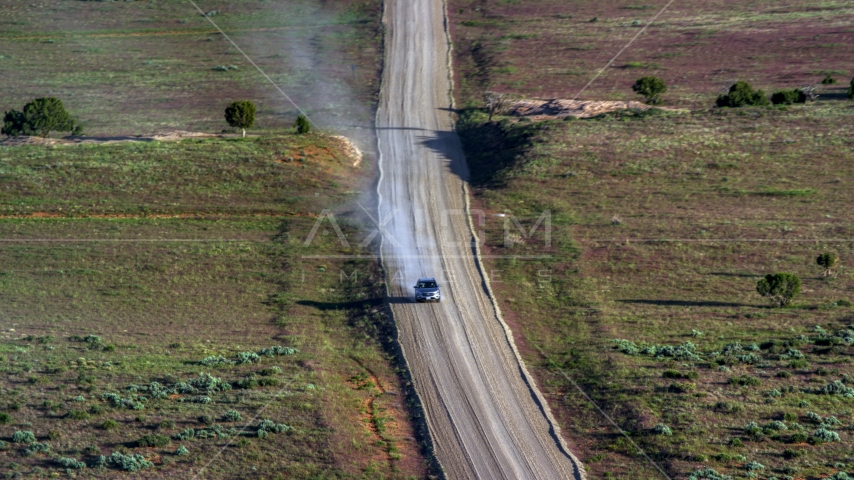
x=800, y=363
x=798, y=437
x=671, y=374
x=92, y=450
x=851, y=90
x=783, y=374
x=790, y=454
x=790, y=416
x=5, y=418
x=691, y=375
x=728, y=407
x=651, y=88
x=77, y=415
x=243, y=443
x=109, y=425
x=207, y=420
x=779, y=288
x=40, y=117
x=788, y=97
x=741, y=94
x=153, y=441
x=302, y=124
x=268, y=382
x=96, y=409
x=270, y=371
x=167, y=424
x=246, y=383
x=240, y=114
x=828, y=80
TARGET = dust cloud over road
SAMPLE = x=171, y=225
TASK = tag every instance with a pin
x=485, y=416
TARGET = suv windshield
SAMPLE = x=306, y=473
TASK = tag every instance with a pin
x=426, y=285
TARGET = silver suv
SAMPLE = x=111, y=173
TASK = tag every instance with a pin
x=427, y=290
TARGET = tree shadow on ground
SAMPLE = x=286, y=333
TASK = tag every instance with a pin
x=685, y=303
x=740, y=275
x=373, y=302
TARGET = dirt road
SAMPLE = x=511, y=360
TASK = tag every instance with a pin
x=484, y=413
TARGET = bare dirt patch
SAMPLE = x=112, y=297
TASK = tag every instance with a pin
x=535, y=109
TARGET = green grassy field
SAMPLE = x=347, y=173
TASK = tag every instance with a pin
x=104, y=299
x=662, y=224
x=147, y=66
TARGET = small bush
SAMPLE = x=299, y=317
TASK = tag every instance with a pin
x=779, y=288
x=728, y=407
x=790, y=454
x=77, y=415
x=671, y=374
x=790, y=416
x=798, y=437
x=186, y=434
x=270, y=371
x=745, y=381
x=814, y=417
x=232, y=416
x=268, y=382
x=752, y=428
x=302, y=125
x=71, y=463
x=828, y=80
x=708, y=474
x=799, y=364
x=788, y=97
x=277, y=350
x=128, y=463
x=825, y=435
x=215, y=361
x=741, y=94
x=109, y=425
x=662, y=429
x=5, y=418
x=827, y=261
x=39, y=117
x=23, y=436
x=735, y=442
x=167, y=424
x=754, y=466
x=248, y=357
x=851, y=90
x=153, y=441
x=37, y=447
x=181, y=451
x=783, y=374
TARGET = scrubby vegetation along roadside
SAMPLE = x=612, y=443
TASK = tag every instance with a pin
x=661, y=227
x=548, y=49
x=138, y=342
x=143, y=67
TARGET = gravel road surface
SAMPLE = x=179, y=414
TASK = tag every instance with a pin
x=485, y=415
